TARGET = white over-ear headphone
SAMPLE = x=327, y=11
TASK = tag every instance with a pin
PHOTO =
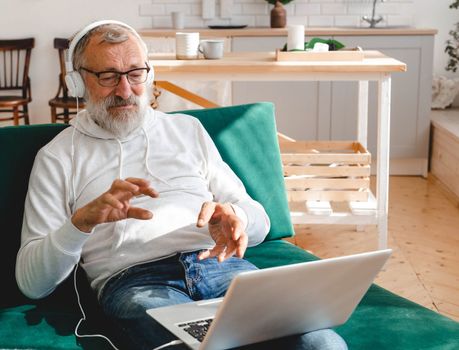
x=73, y=78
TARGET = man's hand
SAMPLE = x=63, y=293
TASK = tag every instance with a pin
x=114, y=205
x=225, y=229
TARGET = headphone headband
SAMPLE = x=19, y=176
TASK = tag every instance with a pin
x=76, y=39
x=73, y=79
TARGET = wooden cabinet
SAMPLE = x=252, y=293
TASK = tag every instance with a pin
x=328, y=110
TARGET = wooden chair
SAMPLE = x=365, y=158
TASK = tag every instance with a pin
x=14, y=78
x=62, y=100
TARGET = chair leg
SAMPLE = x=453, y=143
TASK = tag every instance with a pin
x=53, y=114
x=16, y=115
x=66, y=116
x=25, y=110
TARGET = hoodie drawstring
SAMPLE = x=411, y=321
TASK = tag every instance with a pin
x=120, y=170
x=147, y=154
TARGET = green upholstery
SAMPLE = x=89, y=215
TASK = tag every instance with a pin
x=246, y=138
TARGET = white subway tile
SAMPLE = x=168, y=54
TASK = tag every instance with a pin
x=262, y=21
x=162, y=22
x=399, y=20
x=307, y=9
x=334, y=9
x=185, y=8
x=152, y=10
x=194, y=22
x=290, y=10
x=196, y=9
x=347, y=21
x=320, y=21
x=237, y=9
x=297, y=20
x=254, y=9
x=248, y=20
x=359, y=9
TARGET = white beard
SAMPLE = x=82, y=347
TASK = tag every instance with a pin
x=120, y=124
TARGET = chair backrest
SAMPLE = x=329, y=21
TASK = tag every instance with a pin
x=62, y=44
x=14, y=64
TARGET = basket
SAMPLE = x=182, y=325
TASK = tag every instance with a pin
x=326, y=170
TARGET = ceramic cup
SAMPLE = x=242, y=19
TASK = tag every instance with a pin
x=186, y=46
x=211, y=49
x=178, y=20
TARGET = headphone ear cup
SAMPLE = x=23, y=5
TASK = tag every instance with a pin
x=151, y=76
x=75, y=84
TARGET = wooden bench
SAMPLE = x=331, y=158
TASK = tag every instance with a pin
x=444, y=151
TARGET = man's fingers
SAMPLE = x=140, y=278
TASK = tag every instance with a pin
x=207, y=210
x=124, y=186
x=139, y=213
x=110, y=200
x=143, y=186
x=243, y=241
x=210, y=253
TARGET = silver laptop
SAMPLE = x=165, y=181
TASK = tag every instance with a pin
x=275, y=302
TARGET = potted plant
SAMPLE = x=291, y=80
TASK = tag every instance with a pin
x=278, y=13
x=452, y=45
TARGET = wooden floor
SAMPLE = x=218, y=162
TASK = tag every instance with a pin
x=424, y=235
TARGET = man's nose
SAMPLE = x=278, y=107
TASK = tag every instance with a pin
x=123, y=89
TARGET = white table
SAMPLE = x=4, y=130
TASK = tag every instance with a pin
x=262, y=66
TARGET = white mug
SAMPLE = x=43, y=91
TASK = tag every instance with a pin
x=186, y=46
x=178, y=20
x=211, y=49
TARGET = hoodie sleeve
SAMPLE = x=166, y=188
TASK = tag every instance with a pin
x=50, y=245
x=228, y=188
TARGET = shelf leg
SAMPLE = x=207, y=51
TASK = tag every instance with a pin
x=382, y=178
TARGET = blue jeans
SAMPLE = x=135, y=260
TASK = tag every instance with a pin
x=180, y=279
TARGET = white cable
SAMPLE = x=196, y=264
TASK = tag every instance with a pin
x=84, y=316
x=172, y=343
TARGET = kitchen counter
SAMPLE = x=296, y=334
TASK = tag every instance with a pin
x=309, y=31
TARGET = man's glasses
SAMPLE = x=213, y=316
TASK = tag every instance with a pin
x=112, y=78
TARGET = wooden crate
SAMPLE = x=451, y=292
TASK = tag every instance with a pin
x=325, y=170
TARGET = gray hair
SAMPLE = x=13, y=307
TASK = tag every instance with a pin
x=111, y=33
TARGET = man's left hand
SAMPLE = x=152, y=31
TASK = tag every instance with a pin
x=225, y=228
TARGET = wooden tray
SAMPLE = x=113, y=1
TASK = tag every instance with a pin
x=341, y=55
x=326, y=170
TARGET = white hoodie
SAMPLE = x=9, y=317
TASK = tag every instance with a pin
x=177, y=156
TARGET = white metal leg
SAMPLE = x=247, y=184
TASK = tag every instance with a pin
x=382, y=177
x=362, y=115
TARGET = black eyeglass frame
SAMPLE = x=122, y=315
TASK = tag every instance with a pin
x=118, y=75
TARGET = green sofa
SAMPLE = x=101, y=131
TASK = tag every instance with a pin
x=246, y=138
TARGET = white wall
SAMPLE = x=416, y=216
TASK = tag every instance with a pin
x=47, y=19
x=437, y=14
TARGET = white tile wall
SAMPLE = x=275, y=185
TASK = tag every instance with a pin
x=307, y=12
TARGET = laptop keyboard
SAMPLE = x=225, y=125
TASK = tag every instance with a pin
x=197, y=329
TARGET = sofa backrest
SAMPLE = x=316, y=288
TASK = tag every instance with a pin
x=18, y=147
x=245, y=136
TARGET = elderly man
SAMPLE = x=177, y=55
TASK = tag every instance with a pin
x=141, y=199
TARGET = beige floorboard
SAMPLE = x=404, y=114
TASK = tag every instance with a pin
x=424, y=236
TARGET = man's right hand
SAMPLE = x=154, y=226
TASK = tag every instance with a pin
x=114, y=205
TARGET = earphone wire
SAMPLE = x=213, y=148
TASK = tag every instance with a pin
x=83, y=314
